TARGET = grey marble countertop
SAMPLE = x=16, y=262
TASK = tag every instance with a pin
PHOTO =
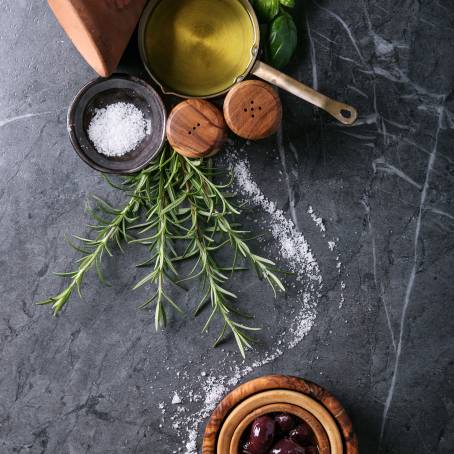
x=99, y=380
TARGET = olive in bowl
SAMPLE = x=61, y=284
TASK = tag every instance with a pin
x=278, y=433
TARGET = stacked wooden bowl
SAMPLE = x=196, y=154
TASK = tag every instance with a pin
x=320, y=410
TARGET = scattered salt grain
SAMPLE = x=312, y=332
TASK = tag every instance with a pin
x=117, y=129
x=176, y=399
x=342, y=297
x=293, y=247
x=318, y=220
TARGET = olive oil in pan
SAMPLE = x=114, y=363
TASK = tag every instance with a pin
x=199, y=47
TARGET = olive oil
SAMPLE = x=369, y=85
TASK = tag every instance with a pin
x=199, y=47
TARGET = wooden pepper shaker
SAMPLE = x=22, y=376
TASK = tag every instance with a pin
x=99, y=29
x=253, y=110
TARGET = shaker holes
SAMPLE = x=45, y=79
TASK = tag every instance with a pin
x=194, y=128
x=251, y=109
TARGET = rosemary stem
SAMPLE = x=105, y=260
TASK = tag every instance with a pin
x=103, y=239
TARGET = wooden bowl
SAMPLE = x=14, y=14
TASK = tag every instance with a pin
x=302, y=401
x=305, y=392
x=98, y=94
x=321, y=437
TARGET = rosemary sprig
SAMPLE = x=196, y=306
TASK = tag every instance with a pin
x=161, y=219
x=175, y=204
x=213, y=279
x=263, y=267
x=211, y=231
x=93, y=250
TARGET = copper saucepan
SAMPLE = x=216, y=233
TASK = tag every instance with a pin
x=342, y=112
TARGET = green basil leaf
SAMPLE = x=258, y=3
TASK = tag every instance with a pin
x=283, y=40
x=267, y=10
x=288, y=3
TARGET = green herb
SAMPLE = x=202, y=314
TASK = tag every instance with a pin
x=175, y=205
x=266, y=10
x=163, y=221
x=110, y=232
x=283, y=40
x=278, y=30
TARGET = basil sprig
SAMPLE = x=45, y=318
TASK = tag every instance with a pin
x=280, y=34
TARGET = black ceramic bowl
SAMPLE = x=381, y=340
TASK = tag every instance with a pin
x=98, y=94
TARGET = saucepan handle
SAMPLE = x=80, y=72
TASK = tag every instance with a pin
x=344, y=113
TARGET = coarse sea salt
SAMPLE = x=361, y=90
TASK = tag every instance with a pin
x=117, y=129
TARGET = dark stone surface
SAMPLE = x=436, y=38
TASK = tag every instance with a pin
x=91, y=380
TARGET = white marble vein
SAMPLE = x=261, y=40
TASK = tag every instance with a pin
x=378, y=284
x=383, y=47
x=401, y=78
x=440, y=212
x=346, y=28
x=313, y=56
x=325, y=37
x=398, y=125
x=388, y=318
x=381, y=165
x=290, y=191
x=357, y=90
x=426, y=151
x=7, y=121
x=350, y=60
x=411, y=280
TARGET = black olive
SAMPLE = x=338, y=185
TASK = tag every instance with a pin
x=284, y=422
x=262, y=435
x=301, y=435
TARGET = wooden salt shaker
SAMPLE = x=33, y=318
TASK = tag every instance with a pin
x=196, y=128
x=99, y=29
